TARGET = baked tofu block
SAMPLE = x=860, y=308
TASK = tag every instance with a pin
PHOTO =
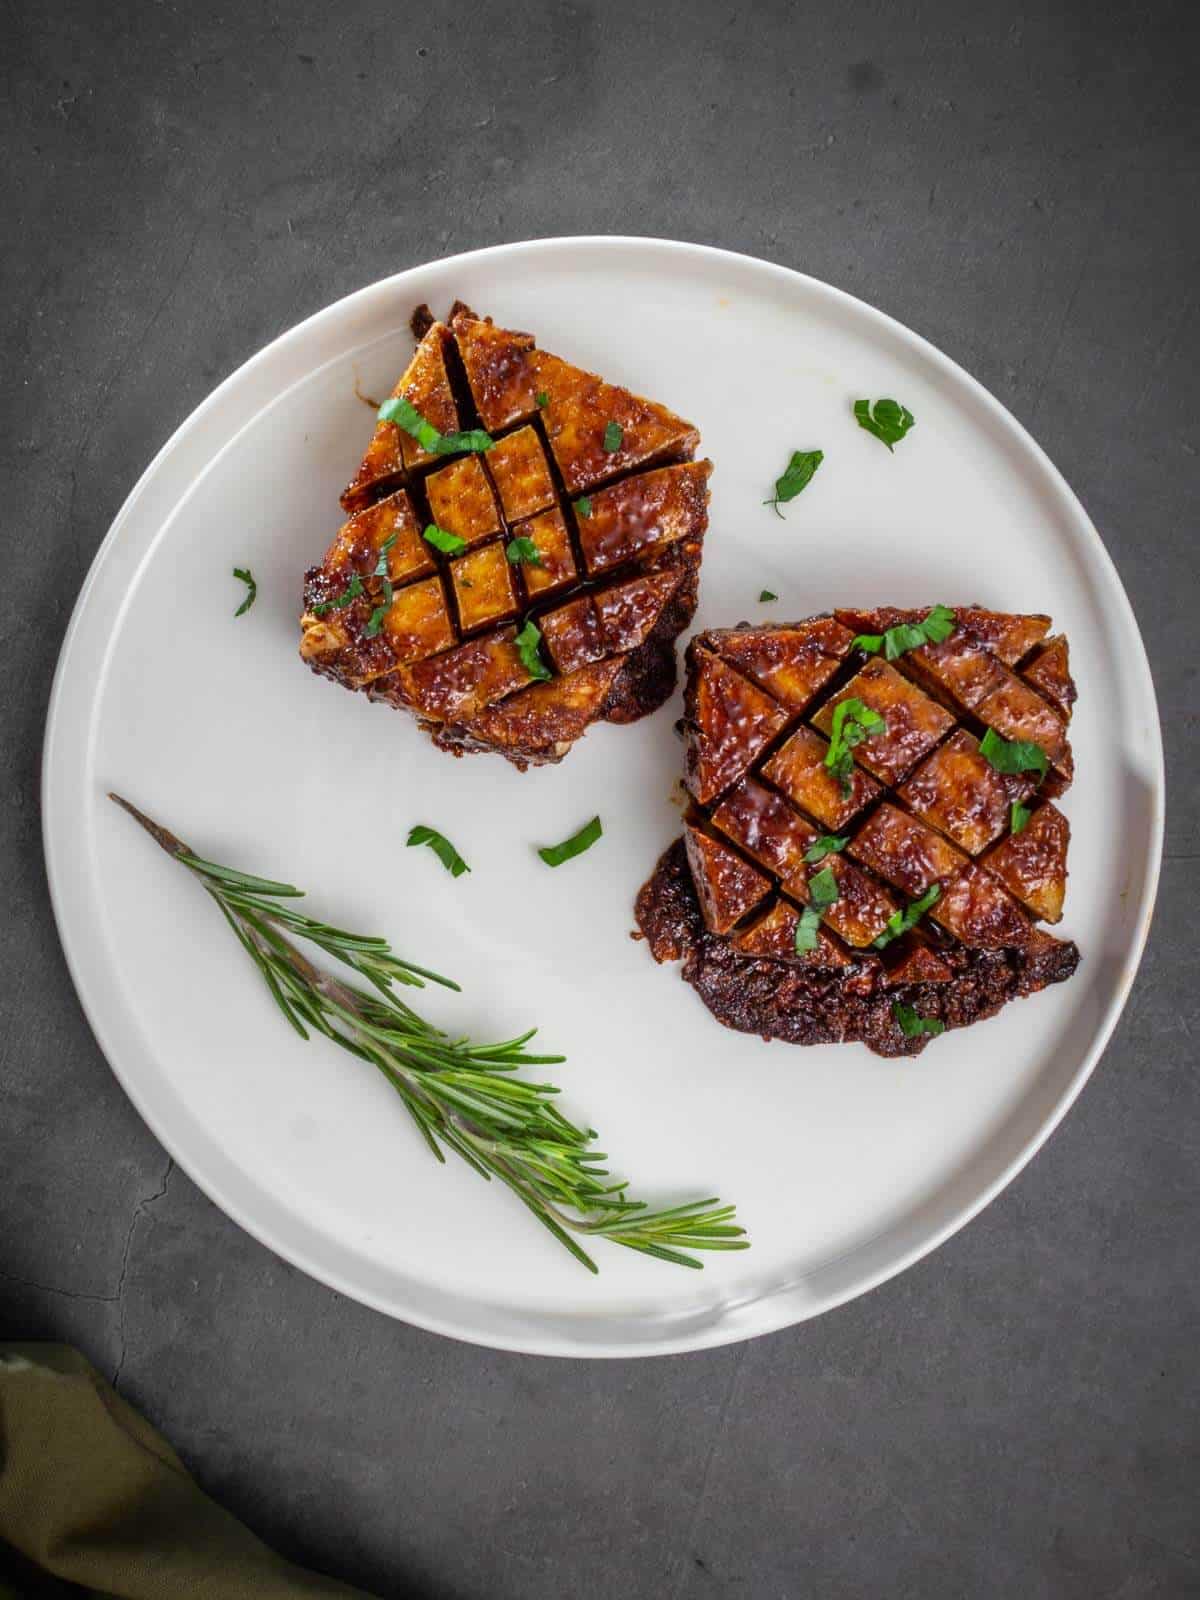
x=798, y=769
x=638, y=516
x=417, y=623
x=959, y=791
x=927, y=901
x=393, y=452
x=727, y=886
x=793, y=663
x=517, y=467
x=1033, y=863
x=461, y=500
x=915, y=723
x=731, y=723
x=557, y=565
x=507, y=450
x=485, y=590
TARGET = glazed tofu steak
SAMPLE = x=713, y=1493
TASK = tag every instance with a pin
x=872, y=839
x=522, y=550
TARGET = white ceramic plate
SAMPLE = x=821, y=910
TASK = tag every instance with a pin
x=845, y=1167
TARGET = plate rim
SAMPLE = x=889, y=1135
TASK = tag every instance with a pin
x=776, y=1311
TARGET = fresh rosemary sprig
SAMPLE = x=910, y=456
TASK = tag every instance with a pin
x=462, y=1096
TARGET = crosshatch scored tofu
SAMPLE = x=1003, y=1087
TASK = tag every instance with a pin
x=920, y=809
x=484, y=590
x=555, y=435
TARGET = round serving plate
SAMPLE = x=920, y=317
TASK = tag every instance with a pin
x=845, y=1167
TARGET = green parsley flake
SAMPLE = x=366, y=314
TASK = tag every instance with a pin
x=827, y=845
x=353, y=590
x=541, y=399
x=614, y=435
x=932, y=629
x=1013, y=755
x=527, y=642
x=441, y=847
x=555, y=854
x=381, y=566
x=797, y=475
x=822, y=893
x=583, y=506
x=247, y=577
x=888, y=420
x=912, y=1025
x=901, y=921
x=449, y=543
x=523, y=549
x=767, y=595
x=852, y=723
x=405, y=415
x=1018, y=817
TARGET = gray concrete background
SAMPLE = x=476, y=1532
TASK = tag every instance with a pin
x=1017, y=1414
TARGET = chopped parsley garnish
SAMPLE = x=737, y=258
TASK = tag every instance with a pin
x=822, y=893
x=912, y=1025
x=405, y=415
x=555, y=854
x=797, y=475
x=541, y=399
x=852, y=723
x=767, y=595
x=523, y=549
x=247, y=578
x=449, y=543
x=614, y=435
x=1013, y=755
x=583, y=506
x=350, y=593
x=1018, y=817
x=905, y=636
x=441, y=847
x=901, y=921
x=381, y=566
x=888, y=420
x=527, y=642
x=827, y=845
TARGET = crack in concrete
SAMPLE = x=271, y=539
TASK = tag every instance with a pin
x=139, y=1210
x=51, y=1288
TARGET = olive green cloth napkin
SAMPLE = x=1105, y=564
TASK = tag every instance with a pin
x=93, y=1501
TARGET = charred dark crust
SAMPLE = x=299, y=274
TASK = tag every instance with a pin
x=789, y=1001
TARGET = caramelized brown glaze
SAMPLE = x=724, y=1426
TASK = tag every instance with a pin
x=921, y=815
x=831, y=1001
x=600, y=484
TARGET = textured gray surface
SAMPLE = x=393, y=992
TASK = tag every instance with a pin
x=1019, y=1412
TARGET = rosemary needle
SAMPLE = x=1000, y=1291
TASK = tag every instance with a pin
x=462, y=1096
